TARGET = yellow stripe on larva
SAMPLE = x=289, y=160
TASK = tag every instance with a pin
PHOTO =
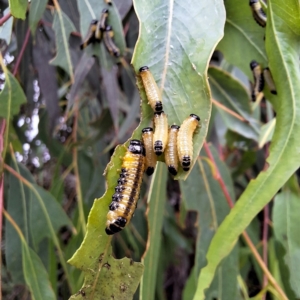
x=127, y=191
x=171, y=154
x=160, y=137
x=147, y=134
x=258, y=13
x=151, y=89
x=185, y=141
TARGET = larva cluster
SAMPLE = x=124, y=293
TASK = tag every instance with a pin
x=99, y=30
x=261, y=76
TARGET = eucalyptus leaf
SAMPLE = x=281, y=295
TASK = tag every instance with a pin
x=18, y=8
x=36, y=11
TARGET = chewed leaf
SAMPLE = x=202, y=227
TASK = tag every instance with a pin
x=177, y=51
x=119, y=278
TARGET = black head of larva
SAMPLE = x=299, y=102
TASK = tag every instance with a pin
x=253, y=64
x=251, y=2
x=121, y=221
x=147, y=129
x=158, y=106
x=149, y=171
x=136, y=147
x=172, y=170
x=144, y=69
x=195, y=117
x=175, y=127
x=94, y=22
x=112, y=229
x=105, y=10
x=157, y=113
x=108, y=28
x=158, y=148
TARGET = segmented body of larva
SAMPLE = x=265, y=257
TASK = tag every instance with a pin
x=151, y=89
x=147, y=134
x=185, y=141
x=127, y=191
x=171, y=154
x=160, y=137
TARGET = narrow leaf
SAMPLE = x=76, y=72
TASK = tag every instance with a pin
x=266, y=133
x=284, y=156
x=177, y=51
x=104, y=275
x=63, y=27
x=155, y=214
x=36, y=276
x=18, y=8
x=234, y=96
x=12, y=95
x=286, y=229
x=36, y=11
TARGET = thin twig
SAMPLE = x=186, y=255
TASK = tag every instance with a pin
x=245, y=235
x=229, y=111
x=5, y=18
x=2, y=129
x=16, y=67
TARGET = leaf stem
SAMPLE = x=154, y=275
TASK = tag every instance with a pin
x=245, y=235
x=16, y=67
x=5, y=18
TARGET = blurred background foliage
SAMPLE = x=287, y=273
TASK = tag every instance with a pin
x=63, y=111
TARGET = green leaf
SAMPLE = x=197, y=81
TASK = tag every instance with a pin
x=266, y=133
x=18, y=8
x=11, y=97
x=282, y=48
x=177, y=47
x=155, y=213
x=233, y=95
x=35, y=275
x=63, y=27
x=102, y=272
x=202, y=193
x=286, y=230
x=6, y=28
x=243, y=38
x=36, y=11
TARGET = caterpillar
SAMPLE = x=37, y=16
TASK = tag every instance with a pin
x=269, y=81
x=160, y=137
x=90, y=37
x=151, y=89
x=258, y=79
x=171, y=155
x=185, y=140
x=108, y=35
x=258, y=13
x=147, y=134
x=127, y=192
x=109, y=2
x=101, y=25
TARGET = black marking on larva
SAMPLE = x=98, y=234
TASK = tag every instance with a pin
x=117, y=197
x=136, y=147
x=150, y=171
x=172, y=170
x=121, y=221
x=158, y=147
x=143, y=69
x=119, y=188
x=175, y=127
x=113, y=205
x=158, y=106
x=112, y=229
x=147, y=129
x=186, y=161
x=253, y=64
x=195, y=117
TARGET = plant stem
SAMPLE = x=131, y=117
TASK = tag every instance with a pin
x=5, y=18
x=245, y=235
x=16, y=67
